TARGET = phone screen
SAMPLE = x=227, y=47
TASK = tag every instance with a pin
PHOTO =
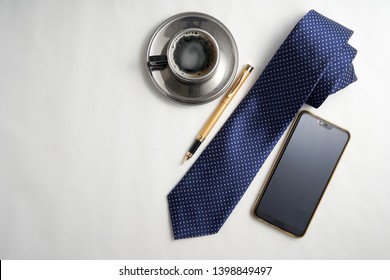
x=301, y=174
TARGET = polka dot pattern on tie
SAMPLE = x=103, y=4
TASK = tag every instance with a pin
x=312, y=63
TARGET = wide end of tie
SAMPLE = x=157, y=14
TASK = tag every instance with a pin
x=188, y=221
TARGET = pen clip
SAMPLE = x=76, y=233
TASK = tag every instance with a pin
x=236, y=86
x=240, y=80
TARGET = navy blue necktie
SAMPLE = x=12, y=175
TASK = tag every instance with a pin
x=313, y=62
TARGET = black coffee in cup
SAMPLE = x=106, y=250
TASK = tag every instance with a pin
x=193, y=55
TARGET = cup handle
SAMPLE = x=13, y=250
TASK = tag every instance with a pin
x=158, y=62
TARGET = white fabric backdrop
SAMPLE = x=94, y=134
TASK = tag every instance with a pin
x=89, y=149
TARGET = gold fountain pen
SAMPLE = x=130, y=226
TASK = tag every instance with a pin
x=241, y=78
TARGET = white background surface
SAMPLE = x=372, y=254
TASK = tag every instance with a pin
x=89, y=149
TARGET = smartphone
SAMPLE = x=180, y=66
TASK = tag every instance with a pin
x=301, y=173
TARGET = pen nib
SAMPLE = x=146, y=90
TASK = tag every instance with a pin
x=184, y=159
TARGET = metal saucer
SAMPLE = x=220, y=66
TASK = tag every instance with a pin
x=201, y=92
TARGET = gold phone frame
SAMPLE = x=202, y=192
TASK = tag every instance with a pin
x=276, y=162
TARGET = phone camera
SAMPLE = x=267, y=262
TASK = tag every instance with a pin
x=322, y=123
